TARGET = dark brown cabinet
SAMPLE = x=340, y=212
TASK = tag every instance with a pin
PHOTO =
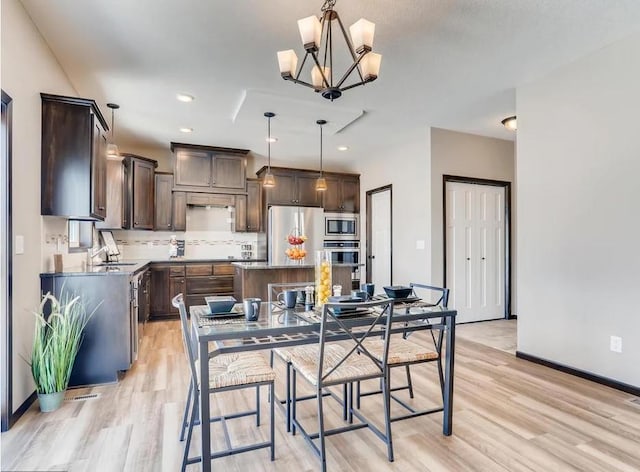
x=194, y=280
x=342, y=194
x=293, y=187
x=115, y=197
x=254, y=205
x=249, y=208
x=241, y=214
x=209, y=169
x=167, y=281
x=73, y=160
x=139, y=191
x=179, y=217
x=163, y=202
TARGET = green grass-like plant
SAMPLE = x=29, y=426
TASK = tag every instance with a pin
x=56, y=342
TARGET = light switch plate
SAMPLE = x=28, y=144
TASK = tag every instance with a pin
x=19, y=244
x=420, y=244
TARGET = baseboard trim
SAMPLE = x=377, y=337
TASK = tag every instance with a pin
x=22, y=409
x=581, y=373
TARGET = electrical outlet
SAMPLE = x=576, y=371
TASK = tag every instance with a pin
x=615, y=344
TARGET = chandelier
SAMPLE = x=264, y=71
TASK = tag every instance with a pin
x=317, y=39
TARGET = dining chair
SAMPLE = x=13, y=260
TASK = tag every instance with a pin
x=284, y=354
x=403, y=352
x=227, y=372
x=353, y=363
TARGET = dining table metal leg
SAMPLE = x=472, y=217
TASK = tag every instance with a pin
x=447, y=423
x=205, y=414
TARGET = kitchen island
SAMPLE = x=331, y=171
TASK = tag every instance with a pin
x=252, y=278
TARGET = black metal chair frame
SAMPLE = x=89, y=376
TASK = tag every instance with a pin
x=437, y=342
x=382, y=314
x=189, y=420
x=285, y=405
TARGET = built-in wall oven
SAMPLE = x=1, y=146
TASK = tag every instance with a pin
x=341, y=226
x=346, y=252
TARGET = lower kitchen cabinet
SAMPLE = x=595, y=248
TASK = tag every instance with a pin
x=112, y=335
x=194, y=280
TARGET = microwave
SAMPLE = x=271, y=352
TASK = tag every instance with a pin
x=341, y=226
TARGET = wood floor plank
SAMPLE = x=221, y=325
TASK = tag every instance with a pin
x=509, y=415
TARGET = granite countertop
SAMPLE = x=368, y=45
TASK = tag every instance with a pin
x=267, y=265
x=129, y=266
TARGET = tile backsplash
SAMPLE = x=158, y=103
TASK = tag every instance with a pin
x=198, y=244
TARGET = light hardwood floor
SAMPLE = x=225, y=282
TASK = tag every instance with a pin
x=510, y=415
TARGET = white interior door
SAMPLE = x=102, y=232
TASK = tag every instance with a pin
x=475, y=236
x=380, y=244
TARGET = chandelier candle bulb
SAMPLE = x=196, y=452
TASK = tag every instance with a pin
x=310, y=32
x=362, y=32
x=370, y=66
x=288, y=62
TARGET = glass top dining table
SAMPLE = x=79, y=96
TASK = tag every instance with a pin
x=277, y=326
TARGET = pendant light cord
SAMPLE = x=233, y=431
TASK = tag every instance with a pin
x=269, y=141
x=113, y=129
x=320, y=150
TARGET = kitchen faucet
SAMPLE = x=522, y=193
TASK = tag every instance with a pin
x=92, y=254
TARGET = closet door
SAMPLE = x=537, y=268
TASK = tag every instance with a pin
x=475, y=235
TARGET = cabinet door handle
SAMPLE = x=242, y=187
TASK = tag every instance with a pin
x=135, y=223
x=169, y=225
x=101, y=208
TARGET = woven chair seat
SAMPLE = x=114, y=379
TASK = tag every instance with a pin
x=311, y=351
x=401, y=351
x=305, y=361
x=228, y=370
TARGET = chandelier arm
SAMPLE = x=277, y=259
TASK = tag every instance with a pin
x=357, y=84
x=302, y=82
x=350, y=47
x=301, y=66
x=321, y=69
x=330, y=48
x=326, y=26
x=348, y=72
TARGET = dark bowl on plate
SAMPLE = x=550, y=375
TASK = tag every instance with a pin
x=398, y=291
x=345, y=299
x=220, y=304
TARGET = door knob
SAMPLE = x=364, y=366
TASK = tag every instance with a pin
x=468, y=258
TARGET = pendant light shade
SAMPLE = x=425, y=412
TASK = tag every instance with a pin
x=113, y=154
x=269, y=181
x=321, y=183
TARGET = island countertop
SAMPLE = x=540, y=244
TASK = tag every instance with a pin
x=267, y=265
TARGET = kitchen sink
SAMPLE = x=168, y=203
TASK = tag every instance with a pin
x=115, y=264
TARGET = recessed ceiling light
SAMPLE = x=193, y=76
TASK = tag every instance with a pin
x=185, y=97
x=272, y=139
x=343, y=148
x=186, y=130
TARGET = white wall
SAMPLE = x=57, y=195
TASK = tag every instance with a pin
x=578, y=197
x=405, y=164
x=466, y=155
x=28, y=68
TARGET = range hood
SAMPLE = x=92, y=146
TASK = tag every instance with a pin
x=218, y=200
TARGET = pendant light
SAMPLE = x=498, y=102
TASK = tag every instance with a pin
x=321, y=183
x=269, y=181
x=112, y=150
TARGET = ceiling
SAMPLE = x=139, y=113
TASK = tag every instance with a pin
x=447, y=63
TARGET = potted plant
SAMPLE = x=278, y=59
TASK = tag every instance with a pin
x=56, y=343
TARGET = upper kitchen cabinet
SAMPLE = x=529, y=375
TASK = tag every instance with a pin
x=74, y=161
x=254, y=205
x=293, y=187
x=139, y=205
x=209, y=169
x=170, y=206
x=342, y=194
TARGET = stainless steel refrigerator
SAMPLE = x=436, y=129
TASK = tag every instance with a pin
x=285, y=220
